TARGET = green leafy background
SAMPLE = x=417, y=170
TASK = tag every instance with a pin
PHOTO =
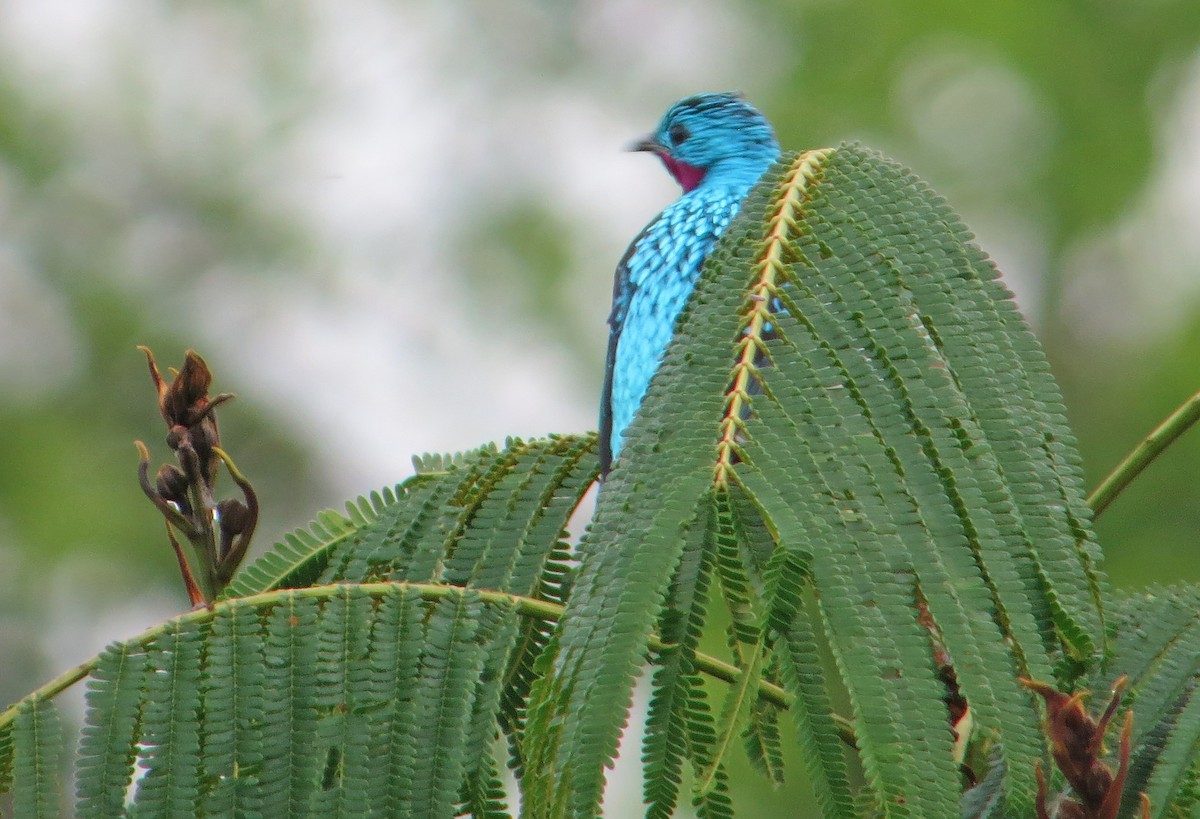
x=139, y=205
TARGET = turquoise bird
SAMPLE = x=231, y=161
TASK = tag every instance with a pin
x=716, y=146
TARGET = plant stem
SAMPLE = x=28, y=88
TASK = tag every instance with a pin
x=526, y=606
x=1161, y=437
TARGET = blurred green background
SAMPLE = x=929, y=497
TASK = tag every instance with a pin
x=390, y=227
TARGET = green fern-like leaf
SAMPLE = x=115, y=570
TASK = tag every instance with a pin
x=812, y=712
x=675, y=682
x=292, y=762
x=885, y=414
x=853, y=444
x=1155, y=649
x=108, y=746
x=485, y=796
x=302, y=555
x=234, y=708
x=37, y=760
x=171, y=733
x=333, y=700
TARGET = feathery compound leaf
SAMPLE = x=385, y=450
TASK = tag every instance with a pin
x=299, y=558
x=482, y=792
x=887, y=430
x=809, y=436
x=485, y=796
x=292, y=761
x=108, y=745
x=233, y=701
x=734, y=717
x=908, y=417
x=853, y=429
x=452, y=659
x=812, y=713
x=171, y=733
x=764, y=745
x=630, y=555
x=526, y=506
x=487, y=518
x=333, y=700
x=391, y=545
x=675, y=682
x=746, y=637
x=584, y=701
x=338, y=547
x=342, y=642
x=1157, y=634
x=37, y=760
x=949, y=290
x=402, y=626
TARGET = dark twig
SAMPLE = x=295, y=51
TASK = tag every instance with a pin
x=185, y=495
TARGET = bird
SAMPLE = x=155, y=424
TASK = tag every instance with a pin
x=716, y=146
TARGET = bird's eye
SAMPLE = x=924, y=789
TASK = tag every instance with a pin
x=678, y=133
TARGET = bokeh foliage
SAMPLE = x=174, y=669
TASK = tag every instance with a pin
x=1098, y=87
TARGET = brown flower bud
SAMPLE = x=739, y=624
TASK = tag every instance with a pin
x=172, y=485
x=1076, y=743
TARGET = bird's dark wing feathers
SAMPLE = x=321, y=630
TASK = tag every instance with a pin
x=622, y=293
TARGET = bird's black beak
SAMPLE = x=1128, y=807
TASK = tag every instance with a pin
x=646, y=143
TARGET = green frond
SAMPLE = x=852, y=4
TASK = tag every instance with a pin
x=627, y=563
x=37, y=760
x=344, y=699
x=435, y=463
x=824, y=753
x=233, y=706
x=500, y=629
x=171, y=743
x=715, y=803
x=292, y=762
x=452, y=659
x=681, y=622
x=913, y=387
x=332, y=700
x=734, y=718
x=533, y=638
x=406, y=541
x=853, y=435
x=488, y=518
x=732, y=555
x=629, y=556
x=1175, y=761
x=485, y=796
x=298, y=559
x=764, y=745
x=1149, y=626
x=887, y=435
x=397, y=654
x=508, y=533
x=772, y=579
x=111, y=730
x=1155, y=647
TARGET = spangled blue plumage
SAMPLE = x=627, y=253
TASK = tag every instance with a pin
x=716, y=146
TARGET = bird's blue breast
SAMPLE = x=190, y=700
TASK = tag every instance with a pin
x=652, y=286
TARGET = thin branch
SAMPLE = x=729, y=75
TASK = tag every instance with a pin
x=525, y=606
x=1165, y=434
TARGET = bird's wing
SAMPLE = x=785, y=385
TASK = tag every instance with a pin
x=622, y=291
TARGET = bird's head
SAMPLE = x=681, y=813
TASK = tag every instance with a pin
x=716, y=137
